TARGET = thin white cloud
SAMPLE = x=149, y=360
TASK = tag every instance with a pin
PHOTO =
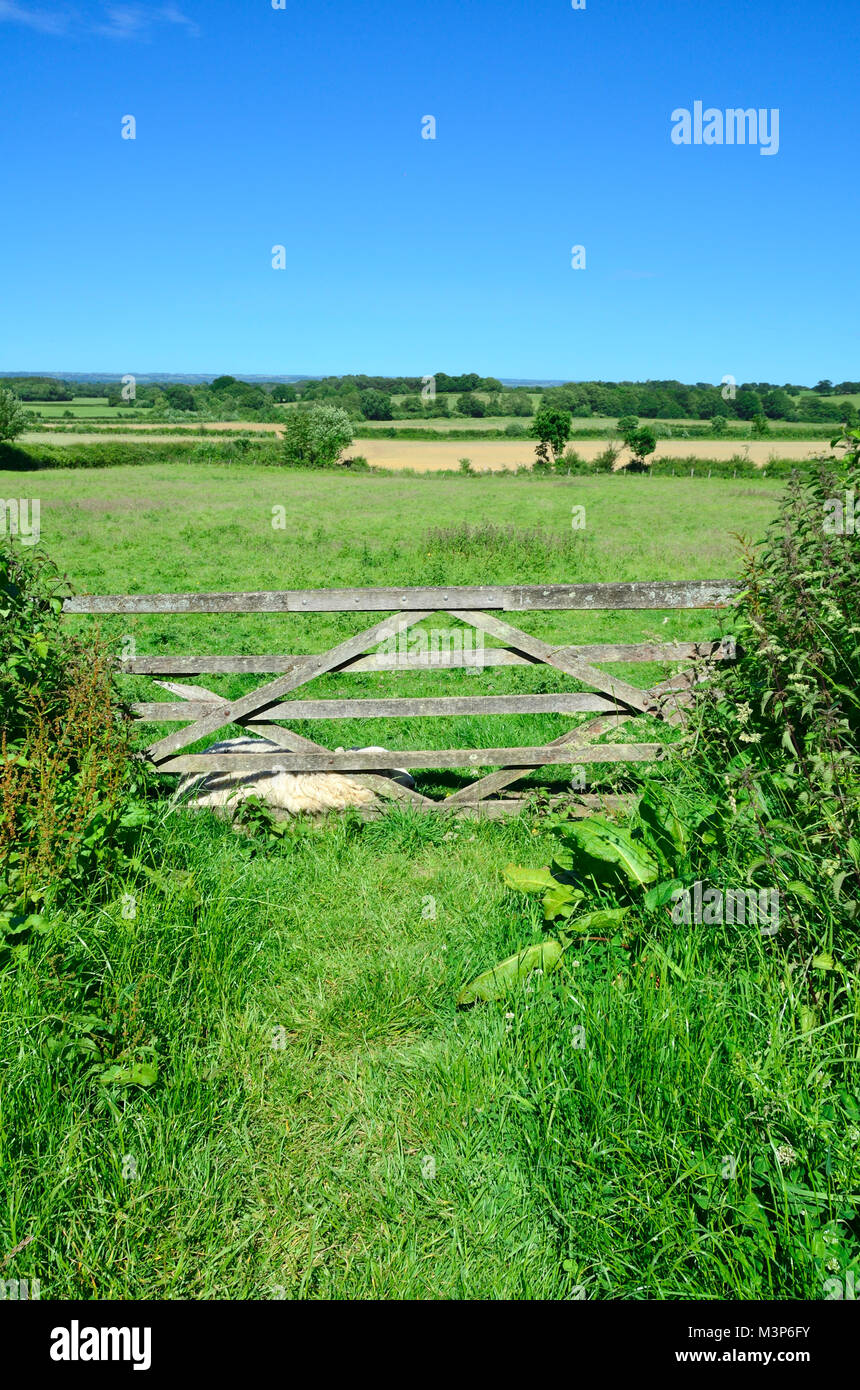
x=117, y=22
x=123, y=22
x=45, y=21
x=172, y=15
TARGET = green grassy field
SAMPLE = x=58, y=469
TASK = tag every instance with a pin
x=854, y=399
x=80, y=408
x=176, y=527
x=326, y=1124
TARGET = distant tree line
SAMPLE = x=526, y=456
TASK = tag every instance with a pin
x=468, y=396
x=40, y=388
x=669, y=400
x=826, y=388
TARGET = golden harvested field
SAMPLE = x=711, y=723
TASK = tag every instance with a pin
x=490, y=455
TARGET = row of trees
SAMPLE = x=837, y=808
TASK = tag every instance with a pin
x=553, y=426
x=437, y=397
x=552, y=429
x=649, y=400
x=39, y=388
x=329, y=386
x=844, y=388
x=466, y=396
x=655, y=400
x=226, y=396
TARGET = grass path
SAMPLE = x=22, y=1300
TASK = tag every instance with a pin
x=327, y=1125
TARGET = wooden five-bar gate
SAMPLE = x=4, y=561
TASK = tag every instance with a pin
x=613, y=700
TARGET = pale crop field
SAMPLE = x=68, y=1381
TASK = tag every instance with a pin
x=491, y=455
x=437, y=455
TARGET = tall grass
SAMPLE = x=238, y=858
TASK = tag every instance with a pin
x=325, y=1124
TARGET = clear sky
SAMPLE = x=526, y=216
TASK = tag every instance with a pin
x=302, y=126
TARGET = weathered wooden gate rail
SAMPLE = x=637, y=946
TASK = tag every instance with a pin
x=616, y=701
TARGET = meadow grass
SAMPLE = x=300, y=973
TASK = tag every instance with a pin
x=326, y=1123
x=163, y=529
x=81, y=407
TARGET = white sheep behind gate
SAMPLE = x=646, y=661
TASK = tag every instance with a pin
x=297, y=793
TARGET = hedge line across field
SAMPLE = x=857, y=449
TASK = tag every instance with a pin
x=34, y=457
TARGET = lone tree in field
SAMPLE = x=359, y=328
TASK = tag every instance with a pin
x=551, y=426
x=316, y=438
x=627, y=426
x=13, y=417
x=641, y=443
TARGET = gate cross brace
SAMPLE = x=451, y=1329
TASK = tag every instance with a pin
x=572, y=666
x=237, y=711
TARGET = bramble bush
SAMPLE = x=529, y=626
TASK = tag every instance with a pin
x=317, y=437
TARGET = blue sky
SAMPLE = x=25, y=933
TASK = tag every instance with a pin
x=302, y=127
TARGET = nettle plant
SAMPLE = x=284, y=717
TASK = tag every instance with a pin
x=780, y=728
x=68, y=813
x=642, y=864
